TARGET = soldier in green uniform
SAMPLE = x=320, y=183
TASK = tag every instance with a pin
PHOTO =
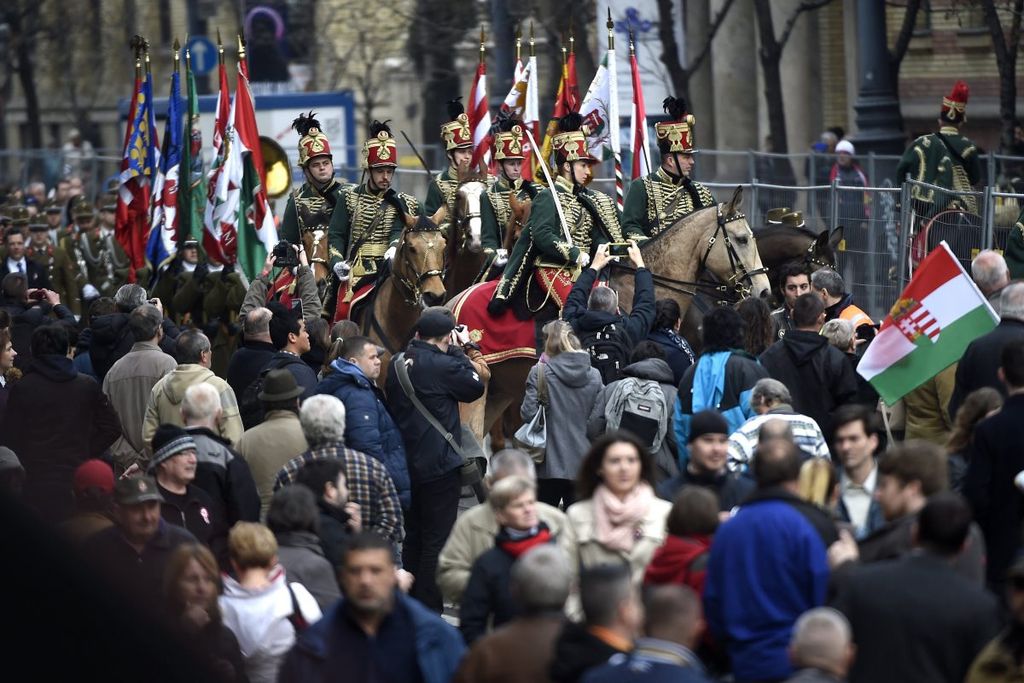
x=83, y=219
x=209, y=298
x=508, y=153
x=946, y=158
x=657, y=202
x=458, y=146
x=367, y=222
x=311, y=206
x=107, y=266
x=543, y=252
x=58, y=265
x=53, y=212
x=20, y=218
x=173, y=277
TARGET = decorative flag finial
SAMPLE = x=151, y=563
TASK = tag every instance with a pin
x=482, y=48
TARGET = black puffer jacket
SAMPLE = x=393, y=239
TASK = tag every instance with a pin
x=441, y=380
x=817, y=374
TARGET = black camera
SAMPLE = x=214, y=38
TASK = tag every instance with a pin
x=618, y=248
x=285, y=255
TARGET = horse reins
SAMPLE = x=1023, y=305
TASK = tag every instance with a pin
x=739, y=271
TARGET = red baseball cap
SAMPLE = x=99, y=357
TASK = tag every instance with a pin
x=94, y=474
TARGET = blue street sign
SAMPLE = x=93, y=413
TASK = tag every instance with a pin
x=203, y=53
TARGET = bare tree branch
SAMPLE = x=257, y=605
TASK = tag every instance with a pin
x=806, y=6
x=906, y=33
x=716, y=24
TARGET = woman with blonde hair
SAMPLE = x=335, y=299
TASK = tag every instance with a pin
x=192, y=584
x=569, y=388
x=262, y=608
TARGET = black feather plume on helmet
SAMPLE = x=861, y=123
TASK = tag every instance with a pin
x=675, y=107
x=455, y=108
x=377, y=127
x=505, y=121
x=304, y=123
x=570, y=122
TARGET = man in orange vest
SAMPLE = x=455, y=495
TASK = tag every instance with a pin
x=829, y=285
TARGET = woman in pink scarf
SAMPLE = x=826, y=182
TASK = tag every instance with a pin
x=618, y=518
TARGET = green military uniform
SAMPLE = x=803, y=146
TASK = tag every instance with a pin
x=107, y=265
x=543, y=242
x=947, y=159
x=83, y=215
x=364, y=218
x=1014, y=252
x=499, y=196
x=211, y=303
x=61, y=269
x=659, y=201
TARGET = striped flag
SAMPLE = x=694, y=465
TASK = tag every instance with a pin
x=480, y=117
x=939, y=313
x=212, y=236
x=567, y=100
x=531, y=111
x=638, y=121
x=163, y=235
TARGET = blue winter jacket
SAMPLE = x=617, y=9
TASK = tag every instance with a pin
x=768, y=566
x=439, y=646
x=368, y=424
x=722, y=381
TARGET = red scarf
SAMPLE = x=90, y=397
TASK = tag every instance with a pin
x=516, y=547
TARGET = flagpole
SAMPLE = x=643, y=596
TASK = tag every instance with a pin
x=613, y=113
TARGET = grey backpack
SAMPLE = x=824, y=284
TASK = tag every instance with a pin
x=638, y=406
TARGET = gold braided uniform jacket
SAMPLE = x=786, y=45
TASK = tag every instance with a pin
x=309, y=210
x=655, y=203
x=107, y=264
x=542, y=242
x=356, y=217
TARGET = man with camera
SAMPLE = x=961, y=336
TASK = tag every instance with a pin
x=286, y=278
x=367, y=224
x=443, y=369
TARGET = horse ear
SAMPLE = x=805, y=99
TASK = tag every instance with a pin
x=439, y=215
x=735, y=203
x=835, y=238
x=409, y=220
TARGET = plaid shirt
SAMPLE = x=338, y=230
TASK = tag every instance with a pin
x=369, y=485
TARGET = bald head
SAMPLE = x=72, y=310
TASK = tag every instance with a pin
x=989, y=271
x=821, y=640
x=256, y=326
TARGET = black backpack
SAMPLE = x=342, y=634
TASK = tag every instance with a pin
x=609, y=349
x=250, y=407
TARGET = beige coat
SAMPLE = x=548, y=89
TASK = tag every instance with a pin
x=164, y=406
x=129, y=384
x=473, y=535
x=268, y=446
x=588, y=551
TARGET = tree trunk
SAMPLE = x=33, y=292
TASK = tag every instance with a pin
x=24, y=27
x=1005, y=46
x=679, y=74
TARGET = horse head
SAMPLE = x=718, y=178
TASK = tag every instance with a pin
x=419, y=260
x=467, y=222
x=731, y=252
x=314, y=242
x=822, y=252
x=518, y=216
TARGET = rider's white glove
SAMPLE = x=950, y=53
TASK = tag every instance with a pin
x=342, y=270
x=501, y=257
x=583, y=260
x=389, y=255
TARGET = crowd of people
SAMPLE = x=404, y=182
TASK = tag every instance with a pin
x=277, y=499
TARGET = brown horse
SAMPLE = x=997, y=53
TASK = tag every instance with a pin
x=314, y=242
x=466, y=257
x=416, y=281
x=716, y=241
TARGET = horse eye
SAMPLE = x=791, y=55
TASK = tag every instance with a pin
x=742, y=240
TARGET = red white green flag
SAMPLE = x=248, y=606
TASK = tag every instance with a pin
x=928, y=329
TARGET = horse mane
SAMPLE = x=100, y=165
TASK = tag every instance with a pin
x=771, y=230
x=685, y=220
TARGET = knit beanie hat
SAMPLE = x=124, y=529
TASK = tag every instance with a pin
x=168, y=441
x=707, y=422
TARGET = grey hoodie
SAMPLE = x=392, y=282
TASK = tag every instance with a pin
x=573, y=386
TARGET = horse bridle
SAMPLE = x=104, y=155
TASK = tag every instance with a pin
x=740, y=273
x=412, y=286
x=810, y=258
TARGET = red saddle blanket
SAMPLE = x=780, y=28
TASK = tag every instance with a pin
x=344, y=304
x=500, y=338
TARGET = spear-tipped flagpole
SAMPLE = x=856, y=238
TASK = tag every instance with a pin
x=613, y=113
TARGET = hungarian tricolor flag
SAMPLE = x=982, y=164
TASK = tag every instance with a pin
x=928, y=329
x=567, y=100
x=480, y=117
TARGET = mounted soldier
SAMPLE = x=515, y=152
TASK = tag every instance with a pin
x=508, y=153
x=458, y=147
x=657, y=202
x=311, y=207
x=946, y=158
x=368, y=221
x=549, y=253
